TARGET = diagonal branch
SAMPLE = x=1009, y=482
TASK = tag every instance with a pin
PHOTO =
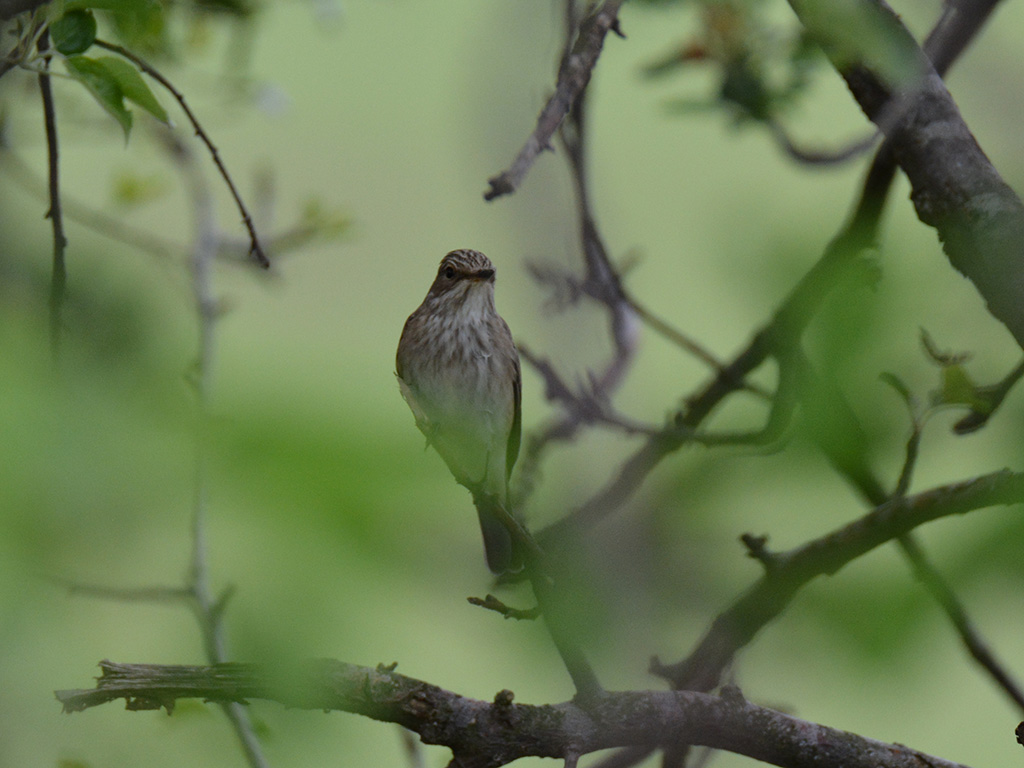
x=489, y=734
x=601, y=281
x=255, y=248
x=960, y=23
x=972, y=640
x=573, y=77
x=954, y=186
x=790, y=571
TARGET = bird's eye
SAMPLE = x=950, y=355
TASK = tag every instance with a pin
x=449, y=272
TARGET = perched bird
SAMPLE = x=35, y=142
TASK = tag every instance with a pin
x=458, y=370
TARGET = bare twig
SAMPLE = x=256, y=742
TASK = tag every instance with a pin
x=685, y=342
x=841, y=258
x=600, y=282
x=582, y=405
x=156, y=594
x=976, y=646
x=117, y=229
x=113, y=227
x=503, y=731
x=491, y=603
x=573, y=76
x=209, y=610
x=59, y=274
x=255, y=249
x=819, y=156
x=738, y=624
x=563, y=634
x=860, y=476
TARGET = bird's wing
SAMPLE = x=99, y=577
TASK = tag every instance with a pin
x=515, y=434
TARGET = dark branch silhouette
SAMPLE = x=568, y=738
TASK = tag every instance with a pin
x=59, y=272
x=790, y=571
x=573, y=77
x=255, y=248
x=489, y=734
x=954, y=186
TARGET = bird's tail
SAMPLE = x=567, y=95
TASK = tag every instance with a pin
x=499, y=546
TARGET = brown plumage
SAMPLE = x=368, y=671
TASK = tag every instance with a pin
x=458, y=370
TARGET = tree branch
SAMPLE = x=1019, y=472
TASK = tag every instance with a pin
x=954, y=186
x=969, y=635
x=59, y=273
x=490, y=734
x=959, y=24
x=736, y=626
x=209, y=609
x=255, y=248
x=573, y=76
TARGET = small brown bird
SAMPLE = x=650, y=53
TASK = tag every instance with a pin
x=458, y=370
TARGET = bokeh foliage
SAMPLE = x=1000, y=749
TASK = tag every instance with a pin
x=343, y=537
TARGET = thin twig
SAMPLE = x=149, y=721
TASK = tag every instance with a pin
x=861, y=477
x=209, y=609
x=255, y=249
x=75, y=210
x=573, y=76
x=601, y=281
x=841, y=257
x=976, y=646
x=585, y=406
x=59, y=274
x=735, y=627
x=115, y=228
x=129, y=594
x=685, y=342
x=491, y=603
x=819, y=156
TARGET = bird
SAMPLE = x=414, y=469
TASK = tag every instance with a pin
x=459, y=372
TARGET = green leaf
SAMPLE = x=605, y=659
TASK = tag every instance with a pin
x=133, y=86
x=103, y=86
x=957, y=388
x=139, y=23
x=74, y=32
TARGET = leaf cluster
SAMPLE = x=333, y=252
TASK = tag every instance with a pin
x=762, y=69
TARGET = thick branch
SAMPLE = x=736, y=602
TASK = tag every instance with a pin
x=489, y=734
x=960, y=22
x=790, y=571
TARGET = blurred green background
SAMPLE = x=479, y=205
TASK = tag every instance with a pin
x=343, y=537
